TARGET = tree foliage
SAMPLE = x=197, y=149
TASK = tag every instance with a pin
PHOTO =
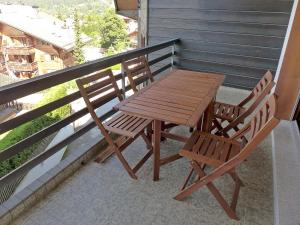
x=31, y=127
x=91, y=23
x=112, y=30
x=77, y=53
x=107, y=29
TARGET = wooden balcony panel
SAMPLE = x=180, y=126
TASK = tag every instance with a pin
x=23, y=67
x=28, y=50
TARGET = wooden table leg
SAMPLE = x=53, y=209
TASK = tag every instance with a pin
x=208, y=117
x=156, y=148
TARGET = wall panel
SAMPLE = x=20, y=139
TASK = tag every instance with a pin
x=239, y=38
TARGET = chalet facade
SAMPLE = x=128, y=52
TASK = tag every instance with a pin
x=33, y=43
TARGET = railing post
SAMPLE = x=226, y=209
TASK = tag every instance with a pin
x=172, y=57
x=123, y=81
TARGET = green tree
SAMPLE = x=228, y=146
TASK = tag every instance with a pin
x=112, y=31
x=78, y=53
x=91, y=26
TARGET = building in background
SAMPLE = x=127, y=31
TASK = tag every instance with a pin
x=132, y=30
x=129, y=10
x=34, y=43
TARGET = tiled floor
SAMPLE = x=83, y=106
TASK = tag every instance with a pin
x=104, y=194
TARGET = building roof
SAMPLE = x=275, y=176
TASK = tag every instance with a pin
x=39, y=25
x=127, y=8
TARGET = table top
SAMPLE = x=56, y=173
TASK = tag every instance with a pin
x=179, y=97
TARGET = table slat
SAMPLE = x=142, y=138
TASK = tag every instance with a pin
x=179, y=97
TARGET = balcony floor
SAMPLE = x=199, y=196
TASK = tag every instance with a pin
x=104, y=194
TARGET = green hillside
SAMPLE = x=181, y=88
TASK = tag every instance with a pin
x=65, y=6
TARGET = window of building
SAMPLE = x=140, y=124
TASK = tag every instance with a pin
x=52, y=57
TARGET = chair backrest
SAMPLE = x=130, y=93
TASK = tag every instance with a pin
x=257, y=129
x=137, y=71
x=95, y=90
x=260, y=91
x=262, y=88
x=263, y=118
x=265, y=84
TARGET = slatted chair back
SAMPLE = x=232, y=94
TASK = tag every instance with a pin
x=96, y=89
x=256, y=130
x=265, y=84
x=137, y=71
x=261, y=90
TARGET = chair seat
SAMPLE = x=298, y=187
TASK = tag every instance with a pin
x=210, y=149
x=227, y=111
x=127, y=125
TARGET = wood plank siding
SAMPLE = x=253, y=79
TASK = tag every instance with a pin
x=239, y=38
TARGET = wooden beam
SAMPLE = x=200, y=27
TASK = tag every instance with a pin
x=288, y=72
x=126, y=4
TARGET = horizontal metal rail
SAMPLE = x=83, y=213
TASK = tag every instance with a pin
x=161, y=58
x=39, y=83
x=43, y=156
x=34, y=138
x=35, y=113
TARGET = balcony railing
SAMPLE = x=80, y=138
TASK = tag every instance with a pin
x=18, y=50
x=23, y=67
x=40, y=83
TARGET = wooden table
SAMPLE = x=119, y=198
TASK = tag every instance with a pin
x=180, y=97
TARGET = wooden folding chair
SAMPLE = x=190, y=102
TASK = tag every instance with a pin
x=95, y=89
x=137, y=71
x=236, y=114
x=224, y=155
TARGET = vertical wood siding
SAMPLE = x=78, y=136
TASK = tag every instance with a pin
x=239, y=38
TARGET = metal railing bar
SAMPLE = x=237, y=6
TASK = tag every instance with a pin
x=39, y=83
x=35, y=113
x=32, y=114
x=43, y=156
x=158, y=59
x=162, y=69
x=19, y=147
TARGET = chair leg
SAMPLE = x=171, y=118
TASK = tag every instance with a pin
x=217, y=125
x=236, y=178
x=228, y=209
x=104, y=155
x=186, y=181
x=162, y=129
x=221, y=130
x=142, y=161
x=125, y=164
x=146, y=156
x=193, y=187
x=235, y=195
x=199, y=183
x=146, y=140
x=149, y=132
